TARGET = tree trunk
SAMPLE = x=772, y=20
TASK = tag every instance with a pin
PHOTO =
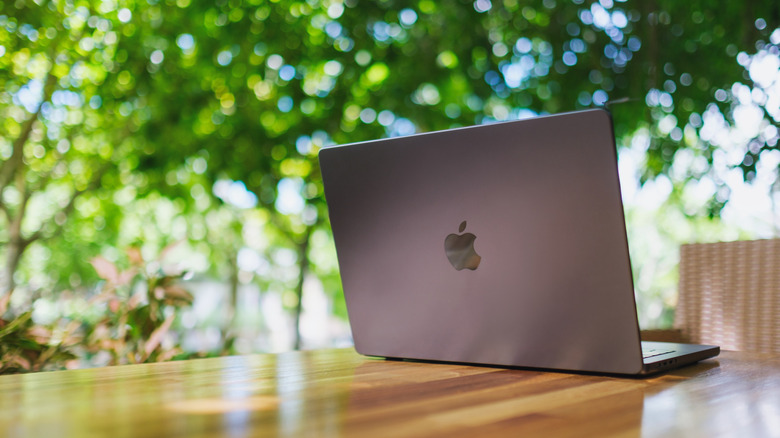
x=13, y=254
x=14, y=168
x=232, y=301
x=16, y=243
x=303, y=263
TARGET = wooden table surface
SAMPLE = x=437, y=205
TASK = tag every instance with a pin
x=338, y=392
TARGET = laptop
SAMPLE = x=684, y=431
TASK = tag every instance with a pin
x=501, y=244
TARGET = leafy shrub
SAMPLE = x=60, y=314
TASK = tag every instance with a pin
x=137, y=306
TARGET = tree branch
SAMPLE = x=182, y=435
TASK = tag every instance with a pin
x=9, y=167
x=66, y=210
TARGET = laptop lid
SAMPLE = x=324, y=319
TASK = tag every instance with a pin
x=498, y=244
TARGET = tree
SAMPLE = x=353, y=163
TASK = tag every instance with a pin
x=58, y=142
x=364, y=70
x=172, y=97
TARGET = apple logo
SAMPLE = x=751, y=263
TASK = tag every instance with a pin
x=460, y=250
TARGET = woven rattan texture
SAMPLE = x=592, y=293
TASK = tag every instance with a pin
x=729, y=294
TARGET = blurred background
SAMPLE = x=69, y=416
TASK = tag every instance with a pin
x=160, y=195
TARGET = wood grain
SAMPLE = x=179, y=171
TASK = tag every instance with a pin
x=339, y=393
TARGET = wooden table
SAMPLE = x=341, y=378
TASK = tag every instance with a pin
x=337, y=392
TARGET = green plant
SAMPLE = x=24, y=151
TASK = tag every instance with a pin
x=26, y=347
x=139, y=304
x=142, y=303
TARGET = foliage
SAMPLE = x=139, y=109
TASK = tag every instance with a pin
x=138, y=307
x=27, y=347
x=134, y=328
x=60, y=137
x=138, y=124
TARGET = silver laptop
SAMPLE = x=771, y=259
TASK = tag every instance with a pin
x=501, y=244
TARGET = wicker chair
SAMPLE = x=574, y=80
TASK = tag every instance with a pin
x=729, y=294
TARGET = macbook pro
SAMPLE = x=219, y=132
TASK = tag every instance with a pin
x=501, y=244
